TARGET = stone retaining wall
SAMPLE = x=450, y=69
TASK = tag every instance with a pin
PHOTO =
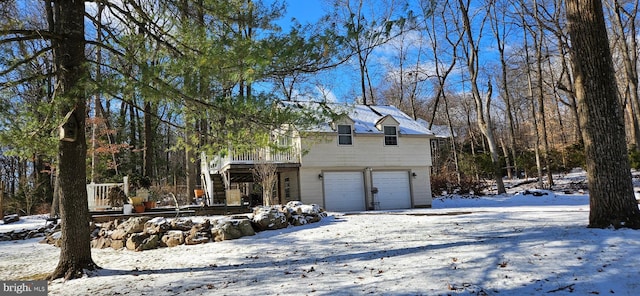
x=144, y=233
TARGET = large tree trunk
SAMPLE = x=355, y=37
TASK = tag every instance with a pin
x=69, y=55
x=612, y=201
x=149, y=141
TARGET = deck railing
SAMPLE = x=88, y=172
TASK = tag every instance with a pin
x=217, y=163
x=98, y=194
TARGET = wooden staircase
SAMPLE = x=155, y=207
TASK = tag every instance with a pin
x=219, y=193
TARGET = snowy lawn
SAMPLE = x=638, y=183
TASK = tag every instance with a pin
x=501, y=245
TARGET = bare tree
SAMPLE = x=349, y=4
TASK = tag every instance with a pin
x=623, y=17
x=483, y=106
x=612, y=202
x=265, y=172
x=369, y=25
x=497, y=18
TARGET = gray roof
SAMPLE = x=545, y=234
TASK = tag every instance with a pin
x=365, y=117
x=440, y=131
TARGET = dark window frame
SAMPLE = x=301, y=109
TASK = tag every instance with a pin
x=345, y=135
x=390, y=138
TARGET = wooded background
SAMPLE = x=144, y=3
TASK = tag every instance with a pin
x=171, y=79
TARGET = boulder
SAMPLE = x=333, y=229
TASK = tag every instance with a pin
x=181, y=224
x=197, y=235
x=11, y=218
x=269, y=218
x=101, y=243
x=152, y=242
x=143, y=241
x=52, y=239
x=157, y=226
x=119, y=234
x=196, y=239
x=232, y=229
x=227, y=230
x=6, y=236
x=117, y=244
x=134, y=224
x=110, y=225
x=298, y=220
x=136, y=240
x=173, y=238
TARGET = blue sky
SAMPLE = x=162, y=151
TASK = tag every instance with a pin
x=304, y=10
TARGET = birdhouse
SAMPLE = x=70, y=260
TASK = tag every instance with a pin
x=68, y=131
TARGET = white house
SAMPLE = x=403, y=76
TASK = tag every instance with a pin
x=372, y=158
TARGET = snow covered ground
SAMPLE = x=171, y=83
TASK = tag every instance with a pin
x=515, y=244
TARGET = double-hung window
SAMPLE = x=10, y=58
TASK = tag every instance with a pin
x=390, y=136
x=345, y=136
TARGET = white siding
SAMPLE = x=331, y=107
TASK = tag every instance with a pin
x=367, y=154
x=367, y=151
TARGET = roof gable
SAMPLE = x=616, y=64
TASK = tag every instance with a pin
x=365, y=118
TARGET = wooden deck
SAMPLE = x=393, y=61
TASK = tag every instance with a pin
x=109, y=215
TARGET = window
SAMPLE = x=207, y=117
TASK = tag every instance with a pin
x=390, y=136
x=344, y=135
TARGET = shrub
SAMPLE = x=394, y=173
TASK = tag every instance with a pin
x=448, y=182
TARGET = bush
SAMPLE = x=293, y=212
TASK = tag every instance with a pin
x=448, y=182
x=634, y=157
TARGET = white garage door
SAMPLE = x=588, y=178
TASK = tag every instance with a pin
x=393, y=190
x=344, y=191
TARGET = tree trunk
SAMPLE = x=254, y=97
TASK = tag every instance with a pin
x=149, y=133
x=538, y=40
x=612, y=202
x=75, y=250
x=629, y=56
x=533, y=105
x=1, y=199
x=483, y=112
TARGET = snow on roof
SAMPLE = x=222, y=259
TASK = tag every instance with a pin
x=440, y=131
x=365, y=117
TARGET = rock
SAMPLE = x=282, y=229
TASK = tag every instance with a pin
x=151, y=242
x=101, y=243
x=117, y=244
x=11, y=218
x=245, y=227
x=232, y=229
x=111, y=225
x=181, y=224
x=157, y=226
x=52, y=239
x=195, y=240
x=313, y=218
x=298, y=220
x=6, y=236
x=95, y=233
x=133, y=225
x=136, y=240
x=173, y=238
x=269, y=218
x=196, y=236
x=119, y=234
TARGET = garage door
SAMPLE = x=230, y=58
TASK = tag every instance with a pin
x=344, y=191
x=393, y=190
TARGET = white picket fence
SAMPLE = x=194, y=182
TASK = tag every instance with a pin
x=98, y=194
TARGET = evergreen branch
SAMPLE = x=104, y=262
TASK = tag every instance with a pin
x=25, y=35
x=8, y=84
x=25, y=60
